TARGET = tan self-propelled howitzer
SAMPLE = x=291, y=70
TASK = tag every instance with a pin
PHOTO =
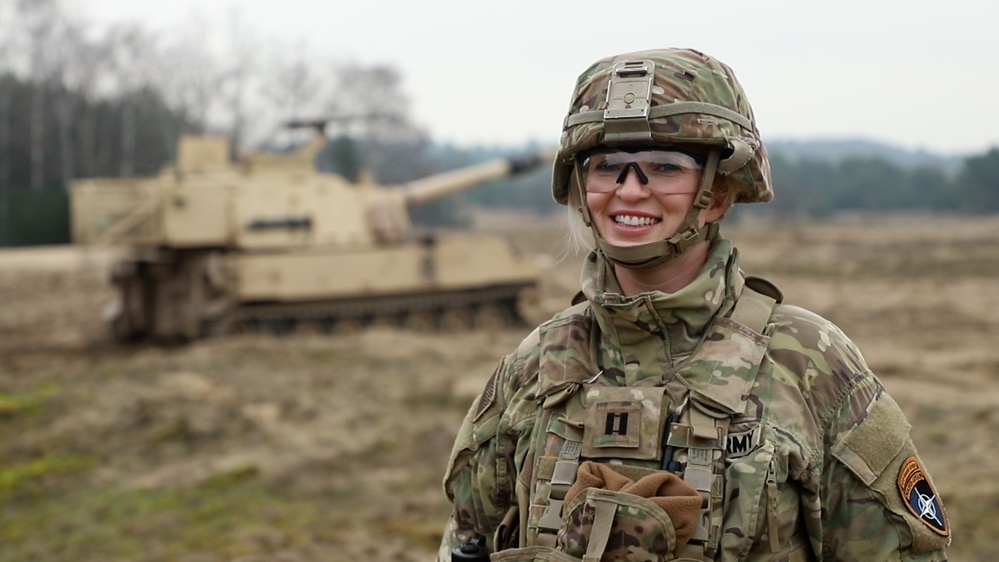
x=269, y=242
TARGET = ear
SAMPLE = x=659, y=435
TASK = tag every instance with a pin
x=721, y=201
x=717, y=210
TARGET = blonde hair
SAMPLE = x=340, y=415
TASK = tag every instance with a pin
x=723, y=194
x=578, y=236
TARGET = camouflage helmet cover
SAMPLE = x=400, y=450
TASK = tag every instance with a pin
x=685, y=98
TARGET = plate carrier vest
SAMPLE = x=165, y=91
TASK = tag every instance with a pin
x=678, y=423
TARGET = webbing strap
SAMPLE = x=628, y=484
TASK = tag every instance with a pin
x=667, y=110
x=705, y=473
x=603, y=518
x=753, y=309
x=563, y=477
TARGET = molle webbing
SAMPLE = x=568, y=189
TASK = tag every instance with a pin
x=662, y=111
x=563, y=475
x=707, y=406
x=704, y=425
x=705, y=438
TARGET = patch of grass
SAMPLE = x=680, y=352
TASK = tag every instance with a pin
x=438, y=400
x=938, y=437
x=230, y=515
x=28, y=404
x=179, y=430
x=975, y=527
x=24, y=475
x=233, y=477
x=420, y=532
x=823, y=271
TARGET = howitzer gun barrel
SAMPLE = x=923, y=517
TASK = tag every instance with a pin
x=441, y=185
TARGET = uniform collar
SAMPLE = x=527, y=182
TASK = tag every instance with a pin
x=673, y=323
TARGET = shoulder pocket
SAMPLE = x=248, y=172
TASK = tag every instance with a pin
x=870, y=446
x=880, y=454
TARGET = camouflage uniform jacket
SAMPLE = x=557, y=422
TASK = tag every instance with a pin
x=812, y=458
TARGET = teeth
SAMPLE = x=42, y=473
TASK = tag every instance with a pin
x=630, y=220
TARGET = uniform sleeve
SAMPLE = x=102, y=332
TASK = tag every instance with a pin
x=481, y=475
x=877, y=500
x=864, y=493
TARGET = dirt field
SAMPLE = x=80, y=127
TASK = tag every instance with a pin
x=302, y=448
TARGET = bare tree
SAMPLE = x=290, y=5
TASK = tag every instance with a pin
x=239, y=90
x=238, y=77
x=191, y=78
x=188, y=81
x=84, y=75
x=79, y=62
x=6, y=98
x=42, y=22
x=132, y=64
x=374, y=96
x=6, y=94
x=293, y=84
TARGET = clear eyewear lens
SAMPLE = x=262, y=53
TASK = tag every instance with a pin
x=661, y=171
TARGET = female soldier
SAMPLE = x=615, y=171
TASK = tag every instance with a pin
x=679, y=410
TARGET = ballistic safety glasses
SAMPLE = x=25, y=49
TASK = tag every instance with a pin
x=660, y=171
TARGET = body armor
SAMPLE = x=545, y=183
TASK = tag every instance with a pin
x=680, y=423
x=761, y=420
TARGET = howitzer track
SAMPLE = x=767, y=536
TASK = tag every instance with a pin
x=493, y=307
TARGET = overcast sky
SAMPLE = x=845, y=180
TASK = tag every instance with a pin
x=916, y=73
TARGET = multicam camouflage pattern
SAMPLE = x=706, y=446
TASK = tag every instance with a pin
x=608, y=514
x=638, y=531
x=814, y=449
x=681, y=75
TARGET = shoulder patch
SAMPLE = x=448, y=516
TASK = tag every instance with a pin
x=920, y=497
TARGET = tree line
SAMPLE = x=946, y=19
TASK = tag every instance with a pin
x=817, y=187
x=812, y=187
x=78, y=102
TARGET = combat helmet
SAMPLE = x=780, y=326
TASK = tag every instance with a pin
x=664, y=98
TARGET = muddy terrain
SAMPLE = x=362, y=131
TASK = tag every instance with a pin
x=313, y=448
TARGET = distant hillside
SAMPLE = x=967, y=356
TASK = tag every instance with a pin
x=834, y=150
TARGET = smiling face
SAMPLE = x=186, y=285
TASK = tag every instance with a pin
x=639, y=197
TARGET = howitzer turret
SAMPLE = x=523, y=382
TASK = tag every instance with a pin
x=269, y=241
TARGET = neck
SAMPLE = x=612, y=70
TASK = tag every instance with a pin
x=667, y=277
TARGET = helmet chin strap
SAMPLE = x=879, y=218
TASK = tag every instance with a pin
x=652, y=254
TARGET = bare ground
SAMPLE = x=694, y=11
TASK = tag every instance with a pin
x=309, y=447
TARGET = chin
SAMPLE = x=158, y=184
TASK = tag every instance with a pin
x=633, y=242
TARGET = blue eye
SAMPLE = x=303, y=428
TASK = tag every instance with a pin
x=605, y=166
x=666, y=168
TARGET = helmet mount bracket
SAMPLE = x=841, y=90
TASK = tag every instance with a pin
x=629, y=97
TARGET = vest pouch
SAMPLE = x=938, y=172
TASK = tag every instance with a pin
x=611, y=525
x=751, y=485
x=609, y=516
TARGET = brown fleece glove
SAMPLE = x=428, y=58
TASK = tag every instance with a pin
x=677, y=498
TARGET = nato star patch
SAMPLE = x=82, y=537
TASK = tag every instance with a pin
x=921, y=498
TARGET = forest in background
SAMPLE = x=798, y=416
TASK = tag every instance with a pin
x=76, y=102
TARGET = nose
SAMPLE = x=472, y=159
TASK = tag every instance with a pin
x=632, y=186
x=638, y=171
